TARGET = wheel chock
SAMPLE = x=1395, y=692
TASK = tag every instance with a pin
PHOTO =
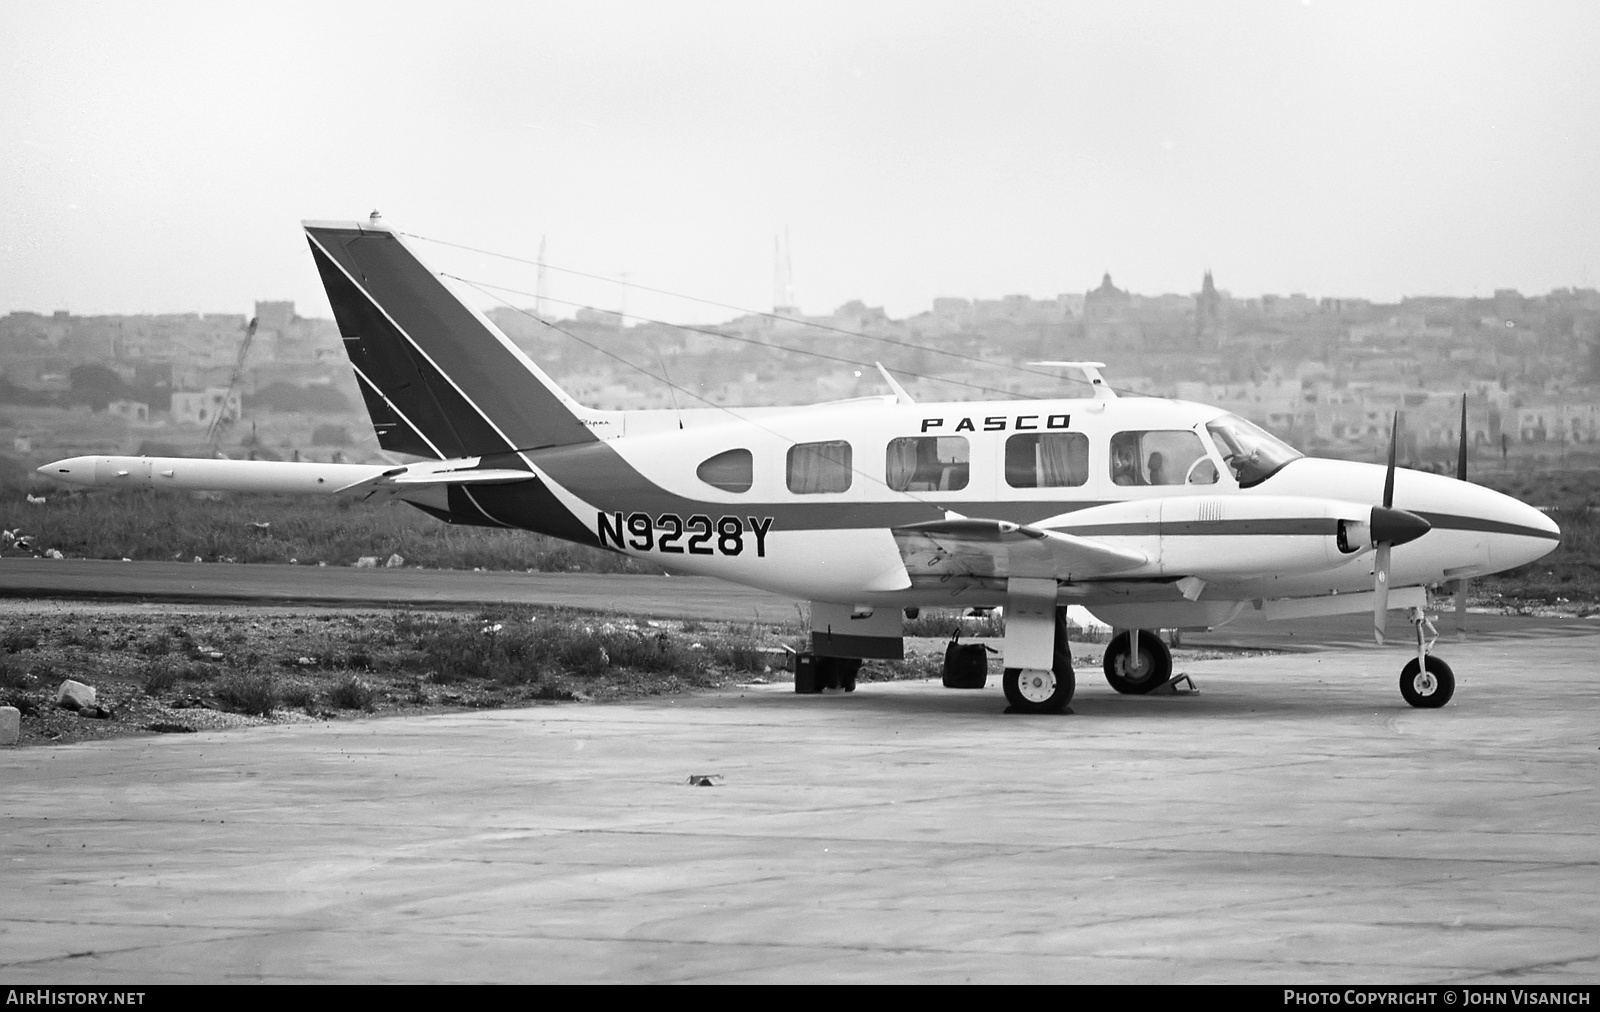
x=1175, y=686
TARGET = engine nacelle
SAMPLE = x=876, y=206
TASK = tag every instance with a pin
x=1229, y=537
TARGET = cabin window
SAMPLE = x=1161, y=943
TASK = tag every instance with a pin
x=1047, y=460
x=926, y=464
x=1160, y=457
x=819, y=467
x=730, y=470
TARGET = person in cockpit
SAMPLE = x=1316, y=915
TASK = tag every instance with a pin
x=1158, y=469
x=1124, y=465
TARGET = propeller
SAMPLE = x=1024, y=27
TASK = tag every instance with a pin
x=1390, y=527
x=1461, y=475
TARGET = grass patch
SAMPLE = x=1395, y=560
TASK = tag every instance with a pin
x=149, y=525
x=13, y=641
x=298, y=695
x=947, y=622
x=353, y=694
x=160, y=675
x=526, y=649
x=12, y=676
x=252, y=692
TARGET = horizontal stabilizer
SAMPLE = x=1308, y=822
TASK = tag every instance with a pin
x=204, y=474
x=998, y=548
x=465, y=471
x=201, y=474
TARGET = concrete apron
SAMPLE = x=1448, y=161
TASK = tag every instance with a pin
x=1295, y=822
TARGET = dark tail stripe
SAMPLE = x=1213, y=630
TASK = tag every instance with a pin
x=387, y=419
x=474, y=500
x=460, y=384
x=396, y=368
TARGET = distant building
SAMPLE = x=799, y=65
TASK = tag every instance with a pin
x=598, y=317
x=1108, y=317
x=1509, y=304
x=1293, y=306
x=1207, y=313
x=133, y=411
x=278, y=316
x=1559, y=423
x=201, y=407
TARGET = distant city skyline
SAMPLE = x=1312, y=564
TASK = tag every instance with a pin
x=160, y=156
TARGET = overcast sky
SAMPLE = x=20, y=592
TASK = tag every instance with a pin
x=158, y=157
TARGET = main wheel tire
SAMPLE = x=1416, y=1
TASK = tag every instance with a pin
x=1137, y=676
x=849, y=667
x=1428, y=689
x=1037, y=691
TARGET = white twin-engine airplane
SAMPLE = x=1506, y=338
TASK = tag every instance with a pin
x=1152, y=513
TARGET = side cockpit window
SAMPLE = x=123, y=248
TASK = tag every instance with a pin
x=730, y=470
x=819, y=467
x=926, y=464
x=1047, y=460
x=1160, y=457
x=1251, y=453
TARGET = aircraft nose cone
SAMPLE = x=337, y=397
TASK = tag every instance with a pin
x=1397, y=526
x=1540, y=521
x=1539, y=537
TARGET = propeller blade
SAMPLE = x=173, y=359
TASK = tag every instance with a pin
x=1380, y=592
x=1388, y=478
x=1461, y=475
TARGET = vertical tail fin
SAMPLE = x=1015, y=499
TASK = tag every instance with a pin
x=439, y=379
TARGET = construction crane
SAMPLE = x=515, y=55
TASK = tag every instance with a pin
x=224, y=418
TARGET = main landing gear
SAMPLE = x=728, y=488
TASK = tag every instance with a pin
x=813, y=674
x=1137, y=662
x=1426, y=681
x=1035, y=690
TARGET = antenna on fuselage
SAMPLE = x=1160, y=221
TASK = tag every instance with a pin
x=1091, y=370
x=672, y=388
x=900, y=395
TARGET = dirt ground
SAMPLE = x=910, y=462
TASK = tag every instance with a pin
x=181, y=668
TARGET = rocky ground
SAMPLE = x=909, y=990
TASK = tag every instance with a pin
x=175, y=669
x=172, y=669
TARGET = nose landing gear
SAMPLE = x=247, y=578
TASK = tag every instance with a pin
x=1035, y=690
x=1426, y=681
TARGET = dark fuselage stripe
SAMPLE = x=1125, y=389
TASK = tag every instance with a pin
x=1277, y=526
x=1451, y=522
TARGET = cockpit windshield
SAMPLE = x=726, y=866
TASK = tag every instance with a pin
x=1251, y=452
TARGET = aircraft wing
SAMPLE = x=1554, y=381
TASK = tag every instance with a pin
x=998, y=548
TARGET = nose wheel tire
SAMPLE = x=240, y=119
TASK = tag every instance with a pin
x=1430, y=687
x=1134, y=676
x=1035, y=690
